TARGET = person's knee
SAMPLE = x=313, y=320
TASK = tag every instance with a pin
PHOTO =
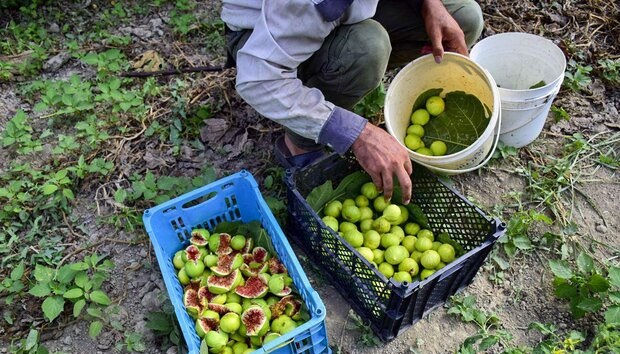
x=367, y=51
x=469, y=17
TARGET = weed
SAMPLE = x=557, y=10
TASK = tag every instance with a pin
x=371, y=106
x=367, y=337
x=610, y=70
x=165, y=325
x=577, y=76
x=133, y=343
x=587, y=287
x=559, y=113
x=78, y=284
x=490, y=331
x=29, y=345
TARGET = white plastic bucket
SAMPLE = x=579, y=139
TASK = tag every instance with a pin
x=455, y=73
x=517, y=61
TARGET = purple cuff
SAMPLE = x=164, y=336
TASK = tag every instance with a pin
x=341, y=130
x=331, y=10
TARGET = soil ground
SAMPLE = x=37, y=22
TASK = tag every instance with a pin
x=524, y=296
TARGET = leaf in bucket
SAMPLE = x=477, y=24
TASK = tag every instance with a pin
x=540, y=83
x=420, y=102
x=460, y=125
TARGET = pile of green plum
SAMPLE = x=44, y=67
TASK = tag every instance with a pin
x=434, y=106
x=382, y=233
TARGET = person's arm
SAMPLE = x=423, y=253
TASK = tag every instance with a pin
x=286, y=35
x=443, y=31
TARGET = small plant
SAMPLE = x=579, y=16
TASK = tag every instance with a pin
x=165, y=325
x=133, y=343
x=78, y=284
x=367, y=337
x=371, y=106
x=577, y=77
x=517, y=237
x=490, y=331
x=29, y=345
x=610, y=70
x=555, y=343
x=588, y=288
x=559, y=113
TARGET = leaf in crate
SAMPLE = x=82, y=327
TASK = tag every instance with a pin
x=460, y=125
x=418, y=216
x=349, y=187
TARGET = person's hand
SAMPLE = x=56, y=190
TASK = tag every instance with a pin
x=383, y=157
x=443, y=31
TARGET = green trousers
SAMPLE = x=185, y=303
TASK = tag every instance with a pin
x=353, y=59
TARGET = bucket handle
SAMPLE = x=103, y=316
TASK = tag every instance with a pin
x=490, y=155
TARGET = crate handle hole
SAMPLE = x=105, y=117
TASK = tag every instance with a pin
x=200, y=200
x=168, y=210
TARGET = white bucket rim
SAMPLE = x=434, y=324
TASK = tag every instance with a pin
x=437, y=161
x=543, y=90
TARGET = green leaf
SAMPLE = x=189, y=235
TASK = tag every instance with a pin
x=560, y=269
x=488, y=342
x=585, y=263
x=79, y=266
x=565, y=291
x=68, y=193
x=417, y=215
x=65, y=274
x=49, y=189
x=81, y=278
x=95, y=312
x=460, y=125
x=100, y=297
x=73, y=293
x=52, y=307
x=95, y=328
x=120, y=195
x=522, y=242
x=40, y=290
x=614, y=276
x=320, y=195
x=597, y=283
x=612, y=315
x=32, y=340
x=17, y=272
x=591, y=304
x=43, y=274
x=78, y=306
x=348, y=187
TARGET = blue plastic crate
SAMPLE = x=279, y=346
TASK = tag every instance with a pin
x=234, y=198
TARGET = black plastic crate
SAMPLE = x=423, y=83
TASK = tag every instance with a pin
x=390, y=306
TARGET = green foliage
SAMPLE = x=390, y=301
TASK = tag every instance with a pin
x=165, y=325
x=367, y=337
x=577, y=77
x=29, y=345
x=588, y=288
x=559, y=113
x=371, y=106
x=518, y=236
x=610, y=70
x=490, y=331
x=133, y=343
x=78, y=284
